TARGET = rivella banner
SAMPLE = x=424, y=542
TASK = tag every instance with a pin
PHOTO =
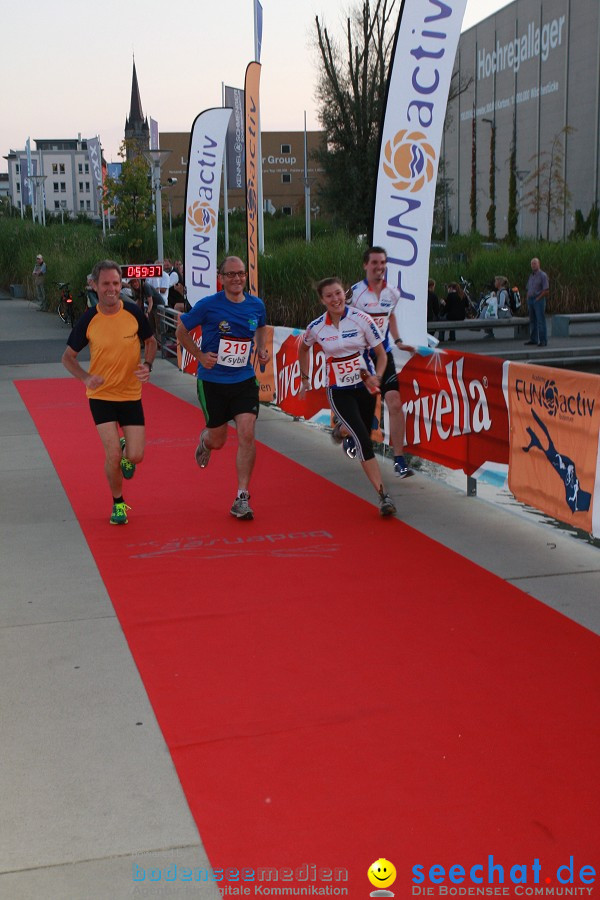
x=251, y=98
x=455, y=408
x=411, y=136
x=203, y=186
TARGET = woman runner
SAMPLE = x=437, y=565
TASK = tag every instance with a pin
x=345, y=333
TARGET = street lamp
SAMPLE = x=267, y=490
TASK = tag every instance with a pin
x=156, y=158
x=170, y=183
x=38, y=182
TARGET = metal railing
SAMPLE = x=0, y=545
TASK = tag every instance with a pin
x=166, y=320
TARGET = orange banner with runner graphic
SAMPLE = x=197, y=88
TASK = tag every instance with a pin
x=554, y=424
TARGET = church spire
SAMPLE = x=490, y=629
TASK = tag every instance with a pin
x=137, y=130
x=135, y=109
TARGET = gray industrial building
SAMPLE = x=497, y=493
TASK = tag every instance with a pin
x=532, y=70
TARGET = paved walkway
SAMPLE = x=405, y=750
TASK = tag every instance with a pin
x=87, y=784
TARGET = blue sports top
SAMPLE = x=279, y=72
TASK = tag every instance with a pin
x=227, y=329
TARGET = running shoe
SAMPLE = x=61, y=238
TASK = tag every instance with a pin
x=336, y=434
x=241, y=508
x=202, y=453
x=386, y=507
x=119, y=514
x=401, y=470
x=127, y=467
x=350, y=447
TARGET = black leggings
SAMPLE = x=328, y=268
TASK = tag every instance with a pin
x=355, y=407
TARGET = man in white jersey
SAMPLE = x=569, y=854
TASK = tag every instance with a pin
x=379, y=299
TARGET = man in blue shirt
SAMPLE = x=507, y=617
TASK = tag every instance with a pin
x=231, y=321
x=537, y=292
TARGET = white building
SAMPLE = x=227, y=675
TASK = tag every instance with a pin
x=68, y=184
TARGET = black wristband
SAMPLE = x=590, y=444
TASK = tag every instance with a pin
x=149, y=364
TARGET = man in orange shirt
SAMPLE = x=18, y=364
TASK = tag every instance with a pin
x=113, y=329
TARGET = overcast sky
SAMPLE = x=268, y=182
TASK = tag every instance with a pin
x=80, y=82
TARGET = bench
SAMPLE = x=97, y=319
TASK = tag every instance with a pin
x=561, y=322
x=519, y=324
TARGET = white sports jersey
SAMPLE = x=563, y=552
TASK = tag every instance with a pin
x=348, y=341
x=379, y=308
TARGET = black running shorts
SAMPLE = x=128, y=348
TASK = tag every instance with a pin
x=223, y=402
x=125, y=412
x=389, y=379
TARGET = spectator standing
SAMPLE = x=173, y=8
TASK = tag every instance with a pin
x=433, y=303
x=538, y=289
x=455, y=307
x=91, y=296
x=39, y=279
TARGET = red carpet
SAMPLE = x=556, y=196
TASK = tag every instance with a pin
x=335, y=688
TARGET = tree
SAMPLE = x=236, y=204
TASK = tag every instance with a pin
x=351, y=95
x=473, y=195
x=513, y=206
x=491, y=213
x=549, y=194
x=130, y=196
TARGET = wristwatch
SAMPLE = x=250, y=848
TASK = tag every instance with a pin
x=149, y=364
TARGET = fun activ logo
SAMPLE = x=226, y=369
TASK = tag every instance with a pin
x=201, y=216
x=409, y=161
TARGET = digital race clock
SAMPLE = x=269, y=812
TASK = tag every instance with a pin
x=135, y=270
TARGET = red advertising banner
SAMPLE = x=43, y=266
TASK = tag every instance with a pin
x=251, y=104
x=455, y=409
x=554, y=424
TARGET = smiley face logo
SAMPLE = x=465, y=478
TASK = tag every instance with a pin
x=381, y=873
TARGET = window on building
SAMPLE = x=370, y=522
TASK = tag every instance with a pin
x=80, y=168
x=18, y=204
x=57, y=204
x=55, y=186
x=286, y=178
x=286, y=210
x=61, y=168
x=18, y=187
x=87, y=187
x=63, y=187
x=87, y=168
x=286, y=148
x=81, y=204
x=81, y=187
x=87, y=204
x=63, y=204
x=17, y=169
x=55, y=168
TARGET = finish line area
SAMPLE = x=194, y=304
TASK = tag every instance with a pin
x=294, y=665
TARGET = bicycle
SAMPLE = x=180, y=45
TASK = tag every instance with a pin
x=66, y=305
x=472, y=308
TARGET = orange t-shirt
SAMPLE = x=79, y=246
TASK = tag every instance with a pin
x=114, y=343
